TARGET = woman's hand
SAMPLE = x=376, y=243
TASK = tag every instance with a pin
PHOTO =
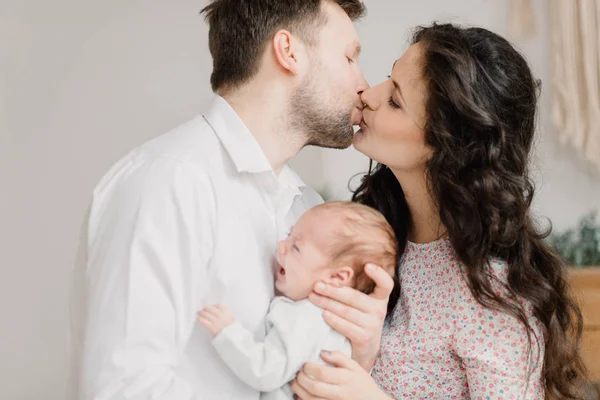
x=356, y=315
x=346, y=380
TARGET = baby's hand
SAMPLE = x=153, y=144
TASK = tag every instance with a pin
x=215, y=318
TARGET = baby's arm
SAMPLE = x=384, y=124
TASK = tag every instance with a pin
x=268, y=365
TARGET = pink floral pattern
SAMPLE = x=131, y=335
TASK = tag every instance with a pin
x=442, y=344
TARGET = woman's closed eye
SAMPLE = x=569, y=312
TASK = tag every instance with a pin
x=393, y=104
x=391, y=101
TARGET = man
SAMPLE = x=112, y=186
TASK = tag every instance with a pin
x=192, y=217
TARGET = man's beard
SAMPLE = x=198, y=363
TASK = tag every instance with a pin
x=323, y=125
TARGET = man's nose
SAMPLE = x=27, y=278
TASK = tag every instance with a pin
x=362, y=84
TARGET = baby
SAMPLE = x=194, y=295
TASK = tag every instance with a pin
x=330, y=243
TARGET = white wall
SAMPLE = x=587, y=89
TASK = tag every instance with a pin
x=83, y=82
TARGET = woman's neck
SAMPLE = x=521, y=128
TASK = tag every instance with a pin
x=426, y=225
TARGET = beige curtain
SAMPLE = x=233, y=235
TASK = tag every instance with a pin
x=522, y=18
x=576, y=74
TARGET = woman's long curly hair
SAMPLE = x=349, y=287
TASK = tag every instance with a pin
x=481, y=115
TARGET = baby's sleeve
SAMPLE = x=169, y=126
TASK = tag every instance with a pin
x=295, y=333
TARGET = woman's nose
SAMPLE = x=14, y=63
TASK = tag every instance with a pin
x=369, y=98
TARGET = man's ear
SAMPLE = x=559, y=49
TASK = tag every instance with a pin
x=285, y=51
x=341, y=276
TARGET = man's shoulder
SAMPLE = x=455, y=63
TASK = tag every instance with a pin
x=182, y=157
x=193, y=142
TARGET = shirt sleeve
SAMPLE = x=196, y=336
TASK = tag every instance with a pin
x=150, y=237
x=295, y=335
x=496, y=353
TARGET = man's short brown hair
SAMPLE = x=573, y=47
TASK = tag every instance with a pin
x=239, y=30
x=362, y=235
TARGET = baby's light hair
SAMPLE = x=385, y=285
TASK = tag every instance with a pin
x=362, y=235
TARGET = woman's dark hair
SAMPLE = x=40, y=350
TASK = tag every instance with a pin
x=481, y=114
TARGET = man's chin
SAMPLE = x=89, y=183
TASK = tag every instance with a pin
x=342, y=145
x=339, y=143
x=350, y=138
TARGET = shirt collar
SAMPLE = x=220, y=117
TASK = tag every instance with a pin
x=290, y=178
x=242, y=147
x=239, y=143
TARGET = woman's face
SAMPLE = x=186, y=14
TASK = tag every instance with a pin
x=394, y=117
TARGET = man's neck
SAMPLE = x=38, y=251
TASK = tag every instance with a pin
x=265, y=111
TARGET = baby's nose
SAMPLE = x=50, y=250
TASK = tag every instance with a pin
x=281, y=248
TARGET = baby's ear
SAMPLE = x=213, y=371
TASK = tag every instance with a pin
x=341, y=276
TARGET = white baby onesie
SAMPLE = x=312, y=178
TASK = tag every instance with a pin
x=296, y=333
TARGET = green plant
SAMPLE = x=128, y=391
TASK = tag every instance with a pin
x=579, y=246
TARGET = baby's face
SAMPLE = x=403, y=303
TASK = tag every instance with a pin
x=300, y=261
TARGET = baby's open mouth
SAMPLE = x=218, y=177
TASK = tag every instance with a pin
x=281, y=271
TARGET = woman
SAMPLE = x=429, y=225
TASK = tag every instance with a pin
x=481, y=309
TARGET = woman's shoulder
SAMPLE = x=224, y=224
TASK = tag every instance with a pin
x=467, y=307
x=495, y=271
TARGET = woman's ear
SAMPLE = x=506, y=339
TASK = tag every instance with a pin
x=285, y=51
x=341, y=276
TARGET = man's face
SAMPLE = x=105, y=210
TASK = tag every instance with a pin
x=328, y=104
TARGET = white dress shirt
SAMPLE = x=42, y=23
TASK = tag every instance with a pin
x=186, y=220
x=296, y=333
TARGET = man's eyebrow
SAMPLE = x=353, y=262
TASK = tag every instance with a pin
x=357, y=49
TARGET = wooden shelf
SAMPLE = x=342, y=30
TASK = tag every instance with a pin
x=585, y=283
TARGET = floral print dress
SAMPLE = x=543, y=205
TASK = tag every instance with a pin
x=442, y=344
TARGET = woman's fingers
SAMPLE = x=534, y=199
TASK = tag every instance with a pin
x=339, y=360
x=302, y=393
x=340, y=299
x=341, y=310
x=356, y=300
x=316, y=388
x=354, y=332
x=383, y=282
x=317, y=381
x=325, y=373
x=357, y=316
